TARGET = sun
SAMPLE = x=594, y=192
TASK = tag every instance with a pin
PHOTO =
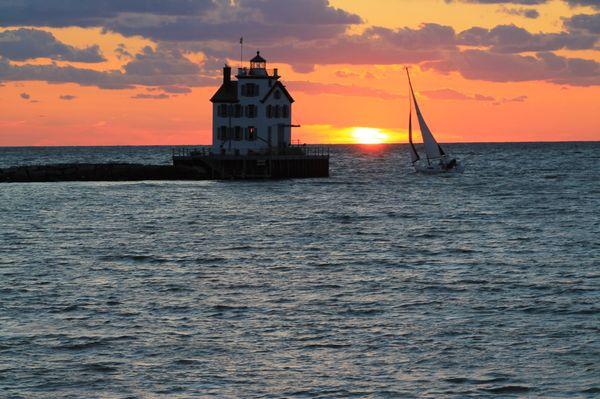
x=368, y=135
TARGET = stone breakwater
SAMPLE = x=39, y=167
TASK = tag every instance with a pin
x=99, y=172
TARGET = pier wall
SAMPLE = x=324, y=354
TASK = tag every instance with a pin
x=258, y=167
x=100, y=172
x=185, y=167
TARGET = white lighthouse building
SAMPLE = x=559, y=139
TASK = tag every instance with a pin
x=252, y=132
x=251, y=115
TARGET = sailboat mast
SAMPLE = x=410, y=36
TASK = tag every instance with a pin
x=414, y=155
x=411, y=98
x=412, y=93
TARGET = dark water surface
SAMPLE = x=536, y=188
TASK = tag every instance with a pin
x=375, y=282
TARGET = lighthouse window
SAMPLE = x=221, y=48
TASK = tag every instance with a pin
x=251, y=133
x=222, y=133
x=285, y=111
x=251, y=111
x=277, y=95
x=238, y=133
x=222, y=110
x=250, y=90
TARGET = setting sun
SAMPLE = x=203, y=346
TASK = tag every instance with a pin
x=368, y=135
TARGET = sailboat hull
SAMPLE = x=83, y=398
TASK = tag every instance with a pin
x=435, y=169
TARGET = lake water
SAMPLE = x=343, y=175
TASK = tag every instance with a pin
x=376, y=282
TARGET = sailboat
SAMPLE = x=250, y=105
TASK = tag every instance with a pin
x=436, y=159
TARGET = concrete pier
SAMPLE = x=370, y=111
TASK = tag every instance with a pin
x=188, y=164
x=100, y=172
x=277, y=163
x=192, y=167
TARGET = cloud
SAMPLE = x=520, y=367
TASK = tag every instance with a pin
x=316, y=88
x=171, y=89
x=56, y=74
x=481, y=97
x=261, y=21
x=143, y=96
x=24, y=44
x=572, y=3
x=25, y=96
x=451, y=94
x=495, y=67
x=379, y=45
x=454, y=95
x=531, y=14
x=176, y=89
x=122, y=52
x=300, y=33
x=584, y=3
x=164, y=61
x=428, y=35
x=523, y=12
x=376, y=45
x=346, y=74
x=518, y=99
x=523, y=2
x=588, y=23
x=164, y=66
x=513, y=39
x=294, y=12
x=67, y=97
x=303, y=67
x=62, y=13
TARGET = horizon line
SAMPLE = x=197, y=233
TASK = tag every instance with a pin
x=324, y=144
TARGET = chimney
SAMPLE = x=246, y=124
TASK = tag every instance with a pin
x=226, y=74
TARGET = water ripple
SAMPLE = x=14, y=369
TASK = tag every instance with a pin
x=374, y=283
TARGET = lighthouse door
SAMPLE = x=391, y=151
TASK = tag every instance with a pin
x=280, y=139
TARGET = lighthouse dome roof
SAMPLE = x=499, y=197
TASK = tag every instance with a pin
x=258, y=58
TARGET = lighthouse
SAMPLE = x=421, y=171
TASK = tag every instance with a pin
x=253, y=114
x=251, y=134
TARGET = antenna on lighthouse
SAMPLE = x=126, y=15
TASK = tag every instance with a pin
x=241, y=51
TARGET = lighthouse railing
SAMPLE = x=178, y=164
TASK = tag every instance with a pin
x=190, y=151
x=308, y=149
x=257, y=72
x=292, y=149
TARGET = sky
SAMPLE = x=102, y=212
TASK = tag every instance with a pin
x=141, y=72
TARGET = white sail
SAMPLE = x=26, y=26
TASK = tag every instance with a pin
x=414, y=155
x=432, y=148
